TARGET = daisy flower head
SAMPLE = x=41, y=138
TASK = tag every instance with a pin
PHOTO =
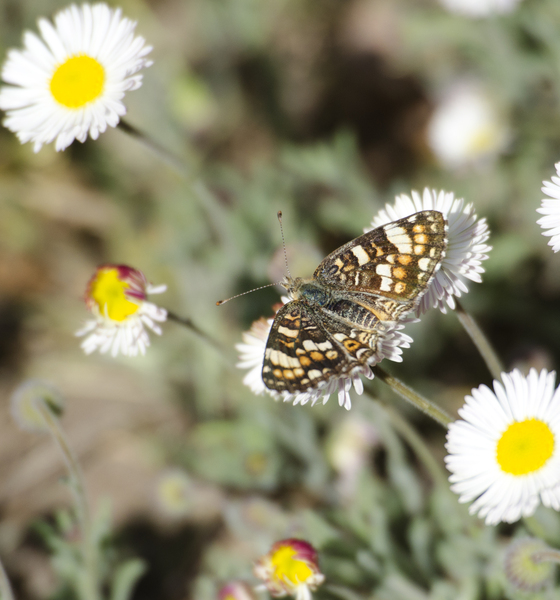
x=291, y=568
x=389, y=344
x=480, y=8
x=505, y=451
x=117, y=297
x=70, y=82
x=550, y=208
x=236, y=590
x=466, y=245
x=467, y=127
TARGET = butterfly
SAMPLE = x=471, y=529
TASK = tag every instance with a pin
x=336, y=319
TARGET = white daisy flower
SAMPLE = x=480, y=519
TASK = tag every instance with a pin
x=551, y=210
x=505, y=453
x=116, y=295
x=480, y=8
x=467, y=128
x=466, y=247
x=72, y=81
x=251, y=356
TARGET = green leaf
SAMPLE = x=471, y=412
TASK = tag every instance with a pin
x=125, y=578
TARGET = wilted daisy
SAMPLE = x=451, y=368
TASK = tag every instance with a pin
x=480, y=8
x=117, y=296
x=466, y=128
x=390, y=343
x=466, y=247
x=505, y=453
x=71, y=81
x=551, y=209
x=290, y=569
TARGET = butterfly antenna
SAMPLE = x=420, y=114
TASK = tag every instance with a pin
x=220, y=302
x=279, y=215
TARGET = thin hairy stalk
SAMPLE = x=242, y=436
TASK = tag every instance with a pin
x=410, y=435
x=481, y=342
x=421, y=403
x=6, y=592
x=548, y=555
x=77, y=488
x=188, y=323
x=207, y=200
x=163, y=154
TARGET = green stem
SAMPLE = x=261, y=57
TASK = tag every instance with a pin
x=421, y=403
x=206, y=199
x=77, y=488
x=188, y=323
x=6, y=592
x=410, y=435
x=162, y=153
x=480, y=341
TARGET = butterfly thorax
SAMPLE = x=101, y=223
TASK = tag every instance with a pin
x=308, y=290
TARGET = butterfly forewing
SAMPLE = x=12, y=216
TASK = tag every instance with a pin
x=396, y=260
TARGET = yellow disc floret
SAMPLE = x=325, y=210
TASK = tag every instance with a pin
x=77, y=81
x=524, y=447
x=107, y=290
x=288, y=569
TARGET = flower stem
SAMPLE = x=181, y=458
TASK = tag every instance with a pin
x=409, y=434
x=6, y=592
x=167, y=157
x=207, y=200
x=421, y=403
x=476, y=334
x=188, y=323
x=77, y=488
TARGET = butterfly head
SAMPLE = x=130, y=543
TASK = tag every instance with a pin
x=306, y=290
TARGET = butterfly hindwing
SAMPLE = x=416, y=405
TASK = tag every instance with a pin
x=304, y=349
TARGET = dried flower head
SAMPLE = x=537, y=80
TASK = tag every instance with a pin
x=24, y=404
x=524, y=567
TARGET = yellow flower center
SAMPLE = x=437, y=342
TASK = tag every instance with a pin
x=108, y=291
x=288, y=569
x=77, y=81
x=485, y=139
x=525, y=447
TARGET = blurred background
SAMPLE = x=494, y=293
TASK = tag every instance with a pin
x=324, y=110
